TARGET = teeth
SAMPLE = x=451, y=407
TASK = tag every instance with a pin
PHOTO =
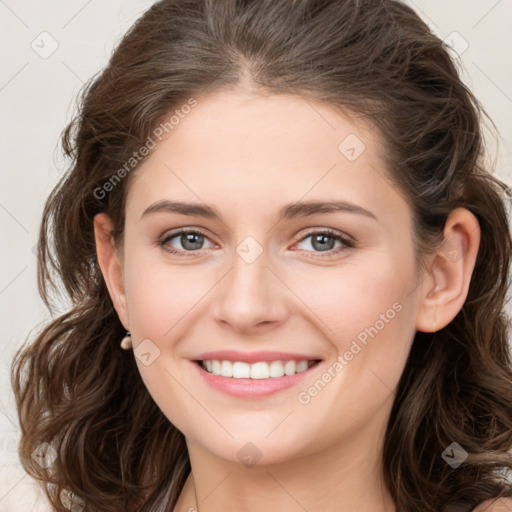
x=241, y=370
x=215, y=367
x=276, y=369
x=302, y=366
x=226, y=369
x=290, y=367
x=260, y=370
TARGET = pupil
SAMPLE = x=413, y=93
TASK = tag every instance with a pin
x=321, y=240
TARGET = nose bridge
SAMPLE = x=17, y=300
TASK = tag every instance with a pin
x=250, y=294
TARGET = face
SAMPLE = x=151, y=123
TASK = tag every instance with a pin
x=298, y=249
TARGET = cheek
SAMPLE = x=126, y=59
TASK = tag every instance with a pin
x=160, y=296
x=161, y=300
x=350, y=301
x=366, y=312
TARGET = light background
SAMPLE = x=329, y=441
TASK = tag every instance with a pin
x=37, y=100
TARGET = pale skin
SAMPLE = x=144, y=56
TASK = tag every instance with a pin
x=247, y=156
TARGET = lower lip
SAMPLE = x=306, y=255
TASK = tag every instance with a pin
x=253, y=388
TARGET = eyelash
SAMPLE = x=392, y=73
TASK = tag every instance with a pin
x=347, y=242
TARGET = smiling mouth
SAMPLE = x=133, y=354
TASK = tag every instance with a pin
x=259, y=370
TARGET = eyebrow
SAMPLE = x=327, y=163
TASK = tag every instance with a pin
x=288, y=211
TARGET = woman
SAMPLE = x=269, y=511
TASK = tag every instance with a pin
x=279, y=209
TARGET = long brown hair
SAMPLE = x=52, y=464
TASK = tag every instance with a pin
x=78, y=392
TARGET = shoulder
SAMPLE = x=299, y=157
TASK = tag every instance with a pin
x=495, y=505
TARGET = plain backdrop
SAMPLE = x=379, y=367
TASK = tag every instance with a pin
x=49, y=49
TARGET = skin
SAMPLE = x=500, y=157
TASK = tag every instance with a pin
x=247, y=155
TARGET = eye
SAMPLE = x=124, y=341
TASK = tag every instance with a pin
x=324, y=241
x=190, y=240
x=193, y=240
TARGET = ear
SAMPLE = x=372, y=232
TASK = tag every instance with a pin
x=444, y=290
x=111, y=265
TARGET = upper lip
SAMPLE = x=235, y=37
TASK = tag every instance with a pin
x=253, y=357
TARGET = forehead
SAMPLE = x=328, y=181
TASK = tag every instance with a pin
x=237, y=148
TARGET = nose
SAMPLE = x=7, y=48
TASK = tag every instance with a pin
x=251, y=298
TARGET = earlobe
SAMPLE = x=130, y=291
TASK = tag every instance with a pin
x=110, y=265
x=445, y=288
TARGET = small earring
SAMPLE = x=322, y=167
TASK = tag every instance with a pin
x=126, y=342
